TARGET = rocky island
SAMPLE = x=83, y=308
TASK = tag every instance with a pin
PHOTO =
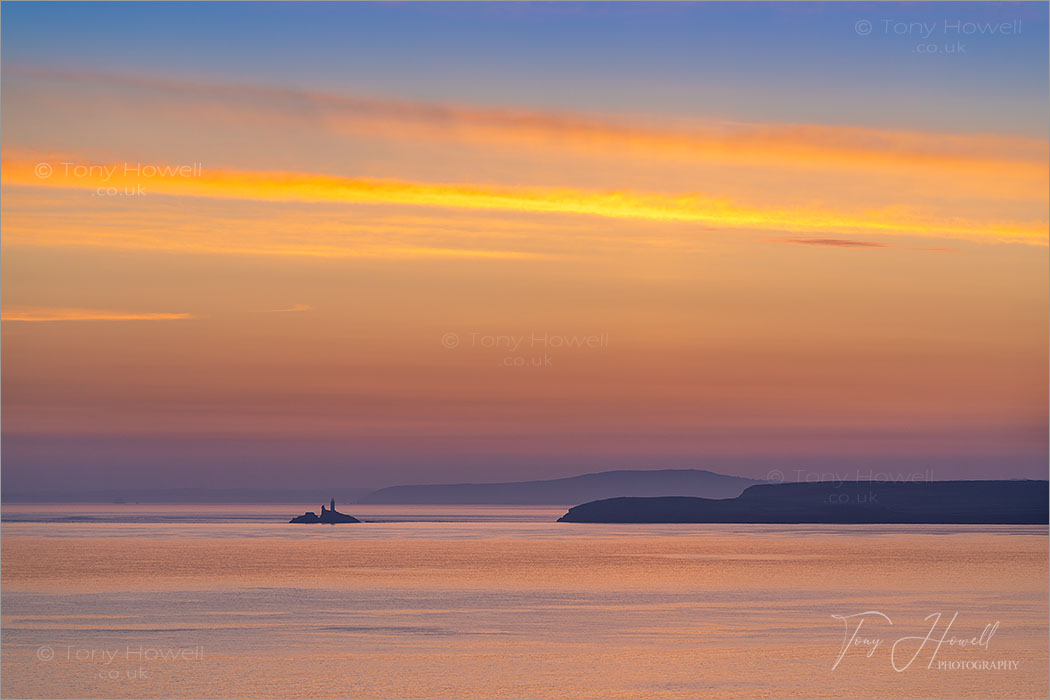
x=329, y=516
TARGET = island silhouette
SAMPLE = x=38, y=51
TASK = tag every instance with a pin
x=1012, y=502
x=329, y=516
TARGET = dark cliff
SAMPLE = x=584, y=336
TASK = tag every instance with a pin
x=936, y=502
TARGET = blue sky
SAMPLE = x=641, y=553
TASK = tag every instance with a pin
x=852, y=271
x=800, y=62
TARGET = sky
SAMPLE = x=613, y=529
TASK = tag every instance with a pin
x=289, y=245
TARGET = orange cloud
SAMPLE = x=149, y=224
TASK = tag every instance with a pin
x=162, y=179
x=51, y=314
x=804, y=146
x=290, y=309
x=833, y=242
x=62, y=217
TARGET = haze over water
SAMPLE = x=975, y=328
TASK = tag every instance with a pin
x=504, y=602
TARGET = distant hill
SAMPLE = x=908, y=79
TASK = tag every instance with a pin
x=934, y=502
x=576, y=489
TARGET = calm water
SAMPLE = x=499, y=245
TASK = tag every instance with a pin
x=216, y=601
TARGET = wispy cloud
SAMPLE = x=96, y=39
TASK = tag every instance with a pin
x=43, y=314
x=834, y=242
x=719, y=212
x=291, y=309
x=62, y=217
x=805, y=146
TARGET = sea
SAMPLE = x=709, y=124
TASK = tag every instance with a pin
x=213, y=601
